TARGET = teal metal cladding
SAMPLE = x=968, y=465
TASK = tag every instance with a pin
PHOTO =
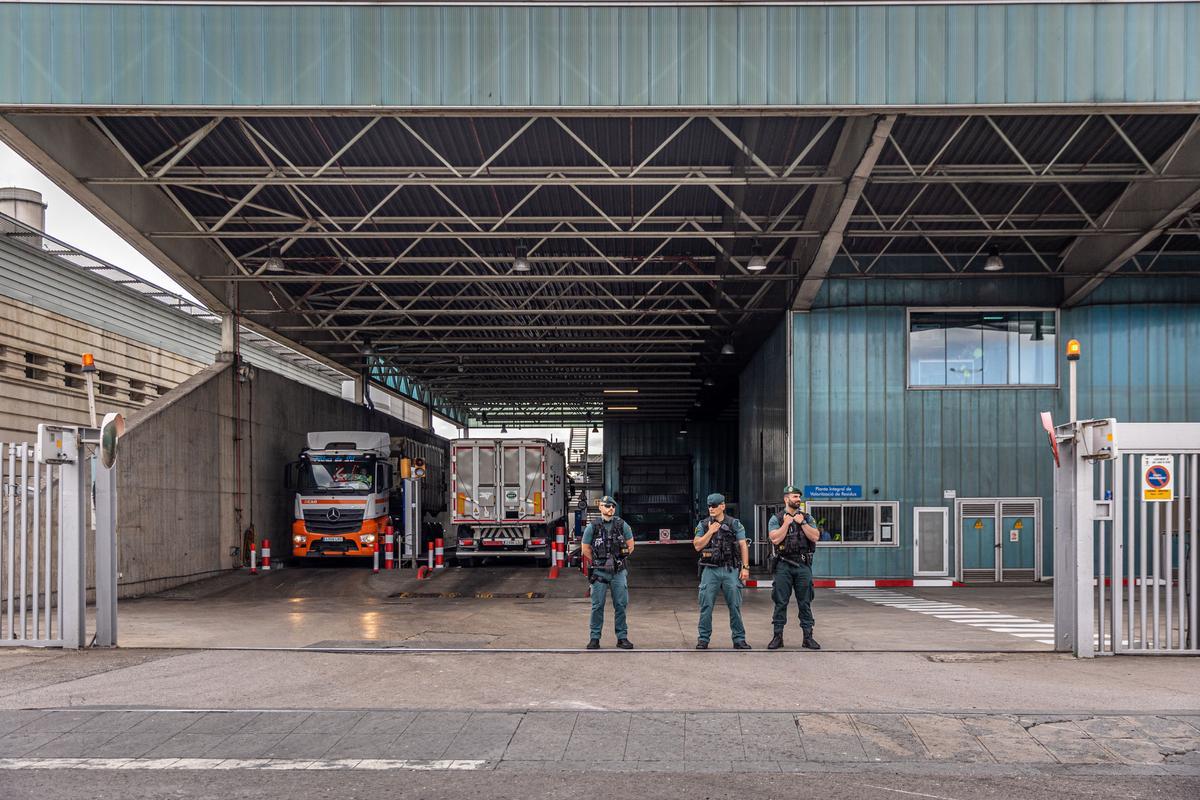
x=855, y=422
x=712, y=446
x=361, y=56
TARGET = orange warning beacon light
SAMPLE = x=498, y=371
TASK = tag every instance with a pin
x=1073, y=350
x=89, y=362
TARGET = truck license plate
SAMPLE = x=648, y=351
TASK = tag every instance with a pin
x=333, y=538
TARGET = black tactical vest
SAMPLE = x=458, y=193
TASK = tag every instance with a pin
x=608, y=544
x=722, y=547
x=795, y=544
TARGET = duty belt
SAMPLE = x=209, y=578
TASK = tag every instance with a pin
x=804, y=558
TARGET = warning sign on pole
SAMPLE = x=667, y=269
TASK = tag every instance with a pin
x=1158, y=479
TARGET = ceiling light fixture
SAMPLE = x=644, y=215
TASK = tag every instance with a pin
x=708, y=381
x=521, y=262
x=683, y=428
x=727, y=349
x=994, y=262
x=274, y=263
x=620, y=391
x=594, y=428
x=622, y=408
x=757, y=261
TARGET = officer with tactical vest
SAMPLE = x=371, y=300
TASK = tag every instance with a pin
x=794, y=535
x=724, y=566
x=606, y=545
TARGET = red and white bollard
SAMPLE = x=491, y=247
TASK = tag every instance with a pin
x=560, y=545
x=253, y=559
x=375, y=564
x=439, y=553
x=430, y=555
x=266, y=555
x=390, y=537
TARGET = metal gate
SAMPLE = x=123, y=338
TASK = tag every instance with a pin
x=1146, y=558
x=45, y=519
x=1126, y=566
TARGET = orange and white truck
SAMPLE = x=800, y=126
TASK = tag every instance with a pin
x=343, y=485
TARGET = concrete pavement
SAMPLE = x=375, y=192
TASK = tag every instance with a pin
x=679, y=742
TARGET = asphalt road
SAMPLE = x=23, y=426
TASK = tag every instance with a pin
x=970, y=785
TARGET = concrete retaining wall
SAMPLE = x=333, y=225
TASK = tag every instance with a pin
x=205, y=462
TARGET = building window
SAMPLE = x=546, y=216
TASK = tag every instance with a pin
x=857, y=524
x=988, y=347
x=35, y=367
x=107, y=385
x=137, y=390
x=73, y=371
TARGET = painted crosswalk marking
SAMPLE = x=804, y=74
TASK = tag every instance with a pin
x=239, y=763
x=1010, y=624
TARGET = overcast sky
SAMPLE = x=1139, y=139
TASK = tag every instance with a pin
x=73, y=224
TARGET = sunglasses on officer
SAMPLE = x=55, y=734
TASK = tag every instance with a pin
x=607, y=505
x=715, y=505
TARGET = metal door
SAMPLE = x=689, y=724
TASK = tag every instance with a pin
x=978, y=544
x=1018, y=541
x=931, y=541
x=524, y=490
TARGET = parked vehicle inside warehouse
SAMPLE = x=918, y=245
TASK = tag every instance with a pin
x=507, y=498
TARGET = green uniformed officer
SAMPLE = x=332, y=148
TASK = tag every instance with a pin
x=794, y=535
x=606, y=545
x=724, y=566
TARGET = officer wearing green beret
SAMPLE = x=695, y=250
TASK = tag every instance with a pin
x=794, y=535
x=606, y=545
x=724, y=566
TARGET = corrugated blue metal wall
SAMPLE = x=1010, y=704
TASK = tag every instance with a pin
x=712, y=446
x=763, y=424
x=363, y=56
x=855, y=422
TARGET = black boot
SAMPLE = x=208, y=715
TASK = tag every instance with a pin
x=777, y=642
x=701, y=644
x=742, y=645
x=593, y=644
x=809, y=642
x=624, y=644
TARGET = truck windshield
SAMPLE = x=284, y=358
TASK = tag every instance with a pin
x=337, y=474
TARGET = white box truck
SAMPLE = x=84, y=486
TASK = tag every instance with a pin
x=507, y=497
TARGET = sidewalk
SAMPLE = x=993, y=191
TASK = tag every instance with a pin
x=998, y=744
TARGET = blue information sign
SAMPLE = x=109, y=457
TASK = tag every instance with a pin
x=840, y=492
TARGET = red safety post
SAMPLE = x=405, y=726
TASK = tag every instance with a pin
x=560, y=545
x=253, y=559
x=439, y=554
x=375, y=564
x=266, y=555
x=430, y=545
x=389, y=548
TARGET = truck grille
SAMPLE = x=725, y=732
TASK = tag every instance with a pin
x=318, y=521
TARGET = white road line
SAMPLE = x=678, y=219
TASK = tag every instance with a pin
x=236, y=763
x=993, y=621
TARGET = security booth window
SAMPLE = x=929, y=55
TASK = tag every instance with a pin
x=982, y=348
x=856, y=524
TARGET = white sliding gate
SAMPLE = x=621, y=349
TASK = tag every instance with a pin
x=45, y=528
x=1129, y=565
